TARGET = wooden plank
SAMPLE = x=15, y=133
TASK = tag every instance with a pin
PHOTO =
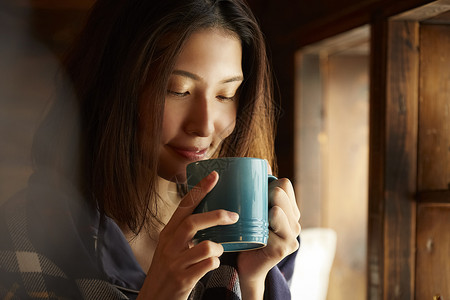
x=424, y=12
x=377, y=141
x=393, y=154
x=307, y=22
x=443, y=18
x=433, y=250
x=434, y=130
x=356, y=38
x=401, y=159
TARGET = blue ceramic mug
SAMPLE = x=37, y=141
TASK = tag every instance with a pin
x=242, y=188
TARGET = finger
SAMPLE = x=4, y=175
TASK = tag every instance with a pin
x=280, y=225
x=200, y=269
x=198, y=253
x=186, y=278
x=280, y=199
x=281, y=190
x=191, y=200
x=193, y=223
x=279, y=247
x=194, y=263
x=286, y=185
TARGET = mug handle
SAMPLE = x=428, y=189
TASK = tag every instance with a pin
x=271, y=178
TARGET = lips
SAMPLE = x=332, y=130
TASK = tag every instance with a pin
x=191, y=154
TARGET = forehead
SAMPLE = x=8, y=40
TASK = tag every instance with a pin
x=211, y=48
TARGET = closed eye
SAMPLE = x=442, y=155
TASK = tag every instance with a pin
x=178, y=94
x=223, y=98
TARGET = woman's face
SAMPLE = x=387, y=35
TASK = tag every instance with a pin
x=201, y=101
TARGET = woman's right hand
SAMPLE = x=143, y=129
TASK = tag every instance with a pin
x=177, y=264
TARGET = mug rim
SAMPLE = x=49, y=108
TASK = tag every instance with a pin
x=227, y=158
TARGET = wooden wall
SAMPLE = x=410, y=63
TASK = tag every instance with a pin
x=290, y=25
x=409, y=192
x=433, y=180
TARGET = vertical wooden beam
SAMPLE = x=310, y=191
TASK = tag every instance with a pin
x=393, y=159
x=433, y=218
x=401, y=159
x=377, y=133
x=434, y=130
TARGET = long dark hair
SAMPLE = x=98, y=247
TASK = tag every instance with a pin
x=127, y=49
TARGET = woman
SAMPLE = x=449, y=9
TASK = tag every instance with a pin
x=157, y=85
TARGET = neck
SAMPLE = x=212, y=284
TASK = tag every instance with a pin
x=144, y=244
x=168, y=200
x=168, y=193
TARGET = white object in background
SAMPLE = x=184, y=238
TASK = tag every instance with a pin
x=313, y=264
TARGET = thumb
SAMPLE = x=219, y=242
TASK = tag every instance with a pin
x=198, y=192
x=193, y=198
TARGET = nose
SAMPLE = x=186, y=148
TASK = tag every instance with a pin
x=201, y=117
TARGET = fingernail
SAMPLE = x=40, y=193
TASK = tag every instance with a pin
x=233, y=216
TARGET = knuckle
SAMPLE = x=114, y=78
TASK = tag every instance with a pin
x=278, y=192
x=206, y=248
x=274, y=220
x=189, y=224
x=212, y=263
x=285, y=183
x=221, y=214
x=277, y=211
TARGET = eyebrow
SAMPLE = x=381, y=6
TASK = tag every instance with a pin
x=198, y=78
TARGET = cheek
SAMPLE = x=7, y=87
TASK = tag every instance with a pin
x=227, y=122
x=166, y=135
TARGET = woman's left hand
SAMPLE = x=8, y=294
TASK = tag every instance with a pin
x=284, y=226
